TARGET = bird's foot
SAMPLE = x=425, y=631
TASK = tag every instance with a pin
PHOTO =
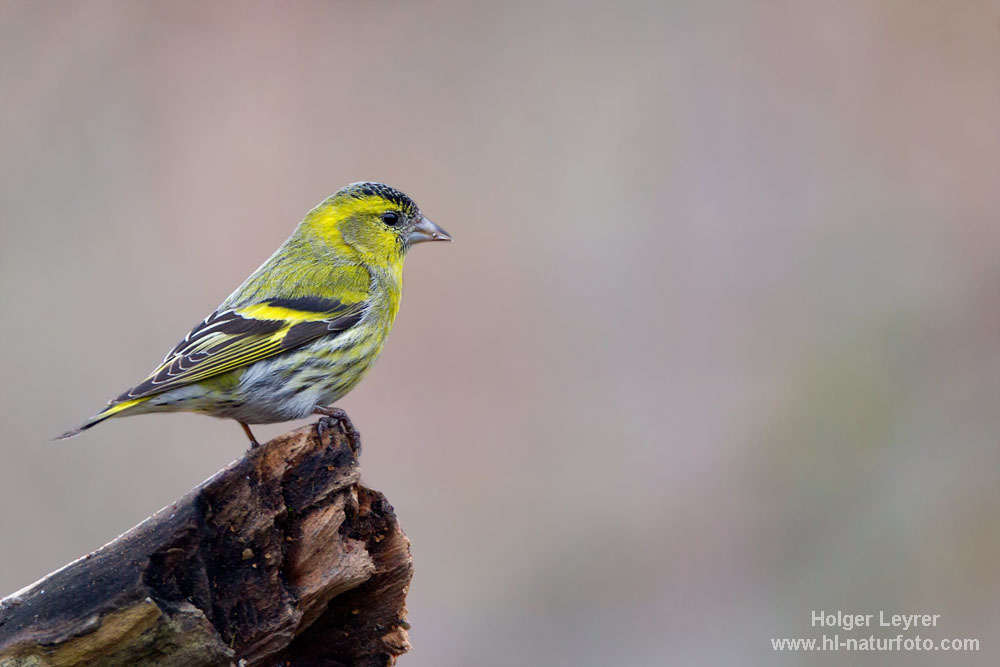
x=341, y=420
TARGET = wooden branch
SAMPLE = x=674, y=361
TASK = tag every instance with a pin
x=280, y=558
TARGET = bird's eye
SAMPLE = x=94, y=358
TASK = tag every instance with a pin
x=391, y=218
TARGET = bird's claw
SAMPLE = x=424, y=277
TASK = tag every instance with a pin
x=339, y=418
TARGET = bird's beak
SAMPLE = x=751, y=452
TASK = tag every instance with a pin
x=425, y=230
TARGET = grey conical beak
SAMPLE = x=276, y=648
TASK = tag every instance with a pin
x=425, y=230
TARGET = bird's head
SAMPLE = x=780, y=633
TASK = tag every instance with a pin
x=373, y=221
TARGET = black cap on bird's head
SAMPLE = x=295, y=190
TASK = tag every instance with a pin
x=365, y=189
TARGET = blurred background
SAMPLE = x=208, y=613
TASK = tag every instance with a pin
x=717, y=343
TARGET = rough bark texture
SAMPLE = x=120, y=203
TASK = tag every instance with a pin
x=281, y=558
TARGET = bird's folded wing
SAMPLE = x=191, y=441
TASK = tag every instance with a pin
x=240, y=336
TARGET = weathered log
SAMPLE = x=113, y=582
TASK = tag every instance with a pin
x=280, y=558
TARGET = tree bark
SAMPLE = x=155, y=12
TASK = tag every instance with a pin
x=280, y=558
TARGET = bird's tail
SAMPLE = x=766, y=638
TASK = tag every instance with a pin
x=108, y=412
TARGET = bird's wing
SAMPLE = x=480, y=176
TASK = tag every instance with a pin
x=236, y=337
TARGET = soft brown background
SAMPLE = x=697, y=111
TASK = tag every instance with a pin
x=717, y=343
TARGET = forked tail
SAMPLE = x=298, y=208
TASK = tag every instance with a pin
x=108, y=412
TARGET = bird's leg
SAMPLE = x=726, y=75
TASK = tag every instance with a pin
x=341, y=418
x=336, y=413
x=253, y=441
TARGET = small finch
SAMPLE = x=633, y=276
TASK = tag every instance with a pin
x=303, y=329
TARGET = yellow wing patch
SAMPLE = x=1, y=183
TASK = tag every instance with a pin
x=238, y=337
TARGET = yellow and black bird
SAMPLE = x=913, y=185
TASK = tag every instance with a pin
x=304, y=328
